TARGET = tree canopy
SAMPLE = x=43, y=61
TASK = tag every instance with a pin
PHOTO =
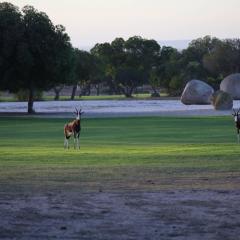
x=38, y=55
x=128, y=63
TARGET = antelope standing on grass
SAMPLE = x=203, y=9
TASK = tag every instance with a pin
x=237, y=121
x=73, y=128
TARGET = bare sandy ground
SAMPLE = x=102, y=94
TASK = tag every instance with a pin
x=180, y=215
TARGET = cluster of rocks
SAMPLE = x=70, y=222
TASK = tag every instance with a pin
x=199, y=92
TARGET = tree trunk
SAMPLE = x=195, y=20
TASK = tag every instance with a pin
x=85, y=90
x=30, y=101
x=57, y=91
x=128, y=91
x=155, y=92
x=97, y=86
x=88, y=90
x=57, y=95
x=74, y=92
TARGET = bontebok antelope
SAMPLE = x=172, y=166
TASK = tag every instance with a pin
x=73, y=128
x=237, y=121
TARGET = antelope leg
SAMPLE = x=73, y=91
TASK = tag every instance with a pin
x=67, y=143
x=64, y=143
x=74, y=142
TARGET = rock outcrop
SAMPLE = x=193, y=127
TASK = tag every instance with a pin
x=231, y=85
x=197, y=92
x=222, y=100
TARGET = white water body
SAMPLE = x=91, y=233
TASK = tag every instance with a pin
x=106, y=106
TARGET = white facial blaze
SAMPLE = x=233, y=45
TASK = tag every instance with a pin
x=78, y=116
x=236, y=118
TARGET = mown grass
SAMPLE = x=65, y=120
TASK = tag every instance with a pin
x=122, y=153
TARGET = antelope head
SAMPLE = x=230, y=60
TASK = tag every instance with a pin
x=78, y=113
x=236, y=114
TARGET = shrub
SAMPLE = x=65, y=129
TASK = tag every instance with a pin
x=22, y=95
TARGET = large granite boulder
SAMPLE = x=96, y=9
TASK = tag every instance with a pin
x=197, y=92
x=231, y=85
x=222, y=100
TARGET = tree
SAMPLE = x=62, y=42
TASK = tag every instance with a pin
x=169, y=70
x=155, y=82
x=84, y=64
x=11, y=34
x=108, y=58
x=177, y=68
x=63, y=71
x=128, y=79
x=193, y=57
x=97, y=75
x=142, y=53
x=46, y=45
x=224, y=59
x=127, y=58
x=37, y=60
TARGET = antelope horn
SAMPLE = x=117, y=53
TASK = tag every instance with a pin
x=238, y=111
x=81, y=112
x=234, y=110
x=76, y=110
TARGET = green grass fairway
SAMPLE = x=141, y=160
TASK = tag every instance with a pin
x=125, y=153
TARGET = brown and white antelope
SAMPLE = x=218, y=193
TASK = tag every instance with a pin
x=237, y=121
x=73, y=128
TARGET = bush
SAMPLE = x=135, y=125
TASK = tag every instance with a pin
x=175, y=86
x=155, y=95
x=22, y=95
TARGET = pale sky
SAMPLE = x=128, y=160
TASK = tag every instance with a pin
x=94, y=21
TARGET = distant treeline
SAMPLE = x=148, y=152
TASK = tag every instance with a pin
x=35, y=55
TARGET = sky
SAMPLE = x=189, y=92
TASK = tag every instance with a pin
x=95, y=21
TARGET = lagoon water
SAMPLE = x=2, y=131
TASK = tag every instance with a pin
x=106, y=106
